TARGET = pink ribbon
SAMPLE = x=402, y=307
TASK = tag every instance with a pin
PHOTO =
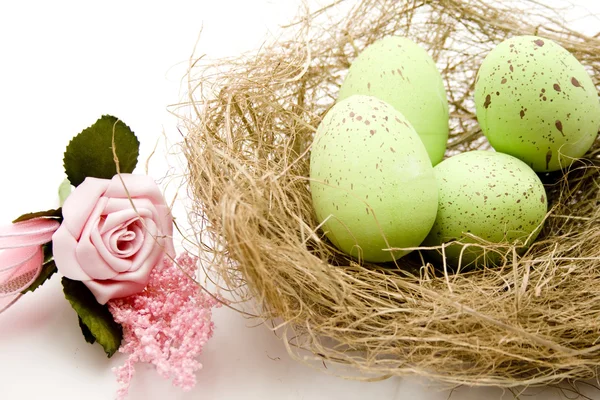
x=22, y=256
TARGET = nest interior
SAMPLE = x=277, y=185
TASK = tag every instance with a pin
x=534, y=320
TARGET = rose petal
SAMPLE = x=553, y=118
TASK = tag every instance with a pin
x=88, y=253
x=138, y=186
x=161, y=214
x=150, y=241
x=63, y=249
x=118, y=238
x=116, y=263
x=132, y=236
x=142, y=274
x=80, y=203
x=116, y=216
x=92, y=262
x=117, y=204
x=108, y=290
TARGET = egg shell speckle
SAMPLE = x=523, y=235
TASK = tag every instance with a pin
x=400, y=72
x=535, y=101
x=371, y=180
x=493, y=196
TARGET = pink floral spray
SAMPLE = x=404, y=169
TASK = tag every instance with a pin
x=167, y=324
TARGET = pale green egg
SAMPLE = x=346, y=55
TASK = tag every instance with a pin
x=493, y=196
x=400, y=72
x=535, y=101
x=371, y=180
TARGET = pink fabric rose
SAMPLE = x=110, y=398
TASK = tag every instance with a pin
x=106, y=243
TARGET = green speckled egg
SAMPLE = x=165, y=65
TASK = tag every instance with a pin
x=401, y=73
x=371, y=180
x=493, y=196
x=535, y=101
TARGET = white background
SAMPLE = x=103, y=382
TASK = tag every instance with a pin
x=62, y=65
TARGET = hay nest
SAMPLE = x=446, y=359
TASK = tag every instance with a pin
x=534, y=320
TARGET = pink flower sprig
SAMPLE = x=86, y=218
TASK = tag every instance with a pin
x=167, y=324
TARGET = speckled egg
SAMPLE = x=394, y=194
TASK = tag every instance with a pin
x=535, y=101
x=400, y=72
x=371, y=180
x=493, y=196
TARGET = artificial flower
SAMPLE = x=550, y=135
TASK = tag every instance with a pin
x=114, y=232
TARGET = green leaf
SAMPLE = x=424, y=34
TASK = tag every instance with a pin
x=47, y=252
x=54, y=213
x=64, y=190
x=95, y=317
x=48, y=269
x=86, y=332
x=90, y=153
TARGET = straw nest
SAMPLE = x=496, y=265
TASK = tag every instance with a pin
x=534, y=320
